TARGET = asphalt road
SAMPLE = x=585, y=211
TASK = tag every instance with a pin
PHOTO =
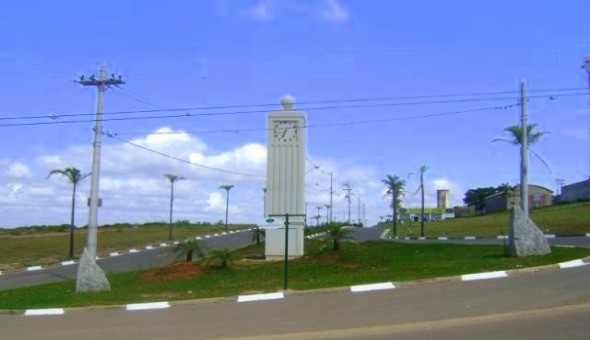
x=551, y=304
x=144, y=259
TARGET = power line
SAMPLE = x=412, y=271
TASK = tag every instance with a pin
x=353, y=100
x=189, y=115
x=114, y=136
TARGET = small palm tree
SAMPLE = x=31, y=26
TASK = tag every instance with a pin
x=337, y=233
x=188, y=249
x=395, y=189
x=533, y=137
x=173, y=179
x=222, y=257
x=256, y=234
x=74, y=177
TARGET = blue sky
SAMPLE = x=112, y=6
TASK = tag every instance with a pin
x=195, y=54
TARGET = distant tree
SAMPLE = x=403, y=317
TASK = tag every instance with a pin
x=223, y=258
x=74, y=176
x=476, y=197
x=173, y=179
x=533, y=137
x=395, y=189
x=257, y=233
x=337, y=233
x=188, y=249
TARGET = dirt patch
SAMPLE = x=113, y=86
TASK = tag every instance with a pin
x=173, y=272
x=352, y=266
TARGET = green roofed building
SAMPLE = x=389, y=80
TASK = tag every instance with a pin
x=430, y=214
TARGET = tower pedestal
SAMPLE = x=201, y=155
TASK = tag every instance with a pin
x=275, y=243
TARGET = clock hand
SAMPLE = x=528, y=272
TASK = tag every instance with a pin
x=284, y=133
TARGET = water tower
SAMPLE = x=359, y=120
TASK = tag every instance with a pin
x=442, y=199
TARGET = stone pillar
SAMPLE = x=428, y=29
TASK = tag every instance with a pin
x=285, y=187
x=525, y=237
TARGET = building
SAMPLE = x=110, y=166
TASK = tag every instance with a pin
x=576, y=191
x=538, y=197
x=430, y=214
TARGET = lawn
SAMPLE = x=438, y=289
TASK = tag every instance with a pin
x=355, y=263
x=563, y=219
x=49, y=247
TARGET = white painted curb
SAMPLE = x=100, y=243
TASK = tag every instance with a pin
x=549, y=235
x=133, y=250
x=484, y=276
x=502, y=237
x=198, y=238
x=175, y=242
x=572, y=264
x=260, y=297
x=149, y=247
x=30, y=269
x=147, y=306
x=443, y=238
x=116, y=253
x=48, y=311
x=470, y=238
x=67, y=263
x=422, y=238
x=163, y=245
x=370, y=287
x=588, y=235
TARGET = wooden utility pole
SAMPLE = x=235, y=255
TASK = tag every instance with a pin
x=101, y=84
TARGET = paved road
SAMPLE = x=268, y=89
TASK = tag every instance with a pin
x=544, y=305
x=128, y=262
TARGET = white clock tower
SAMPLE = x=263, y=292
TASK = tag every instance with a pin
x=285, y=180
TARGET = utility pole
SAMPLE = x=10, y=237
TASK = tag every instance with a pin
x=331, y=195
x=586, y=66
x=559, y=182
x=348, y=189
x=101, y=85
x=524, y=152
x=359, y=207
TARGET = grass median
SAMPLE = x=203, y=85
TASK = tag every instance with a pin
x=355, y=263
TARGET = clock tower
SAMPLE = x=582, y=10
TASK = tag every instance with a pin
x=285, y=180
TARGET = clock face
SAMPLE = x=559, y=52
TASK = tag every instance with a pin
x=285, y=131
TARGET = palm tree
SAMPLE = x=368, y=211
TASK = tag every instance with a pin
x=74, y=177
x=256, y=234
x=226, y=188
x=337, y=233
x=395, y=189
x=533, y=137
x=423, y=169
x=188, y=249
x=173, y=179
x=223, y=257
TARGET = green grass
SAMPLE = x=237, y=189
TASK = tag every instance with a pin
x=563, y=219
x=46, y=248
x=355, y=263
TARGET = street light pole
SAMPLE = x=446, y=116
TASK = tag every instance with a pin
x=226, y=188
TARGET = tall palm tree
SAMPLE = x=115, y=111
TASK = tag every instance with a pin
x=533, y=137
x=173, y=179
x=395, y=189
x=423, y=169
x=74, y=177
x=226, y=188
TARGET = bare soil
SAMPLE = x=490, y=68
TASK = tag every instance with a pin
x=173, y=272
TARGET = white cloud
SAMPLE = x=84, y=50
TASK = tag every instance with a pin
x=334, y=11
x=268, y=10
x=17, y=170
x=215, y=202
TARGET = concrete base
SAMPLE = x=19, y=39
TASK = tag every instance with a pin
x=275, y=243
x=525, y=237
x=90, y=276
